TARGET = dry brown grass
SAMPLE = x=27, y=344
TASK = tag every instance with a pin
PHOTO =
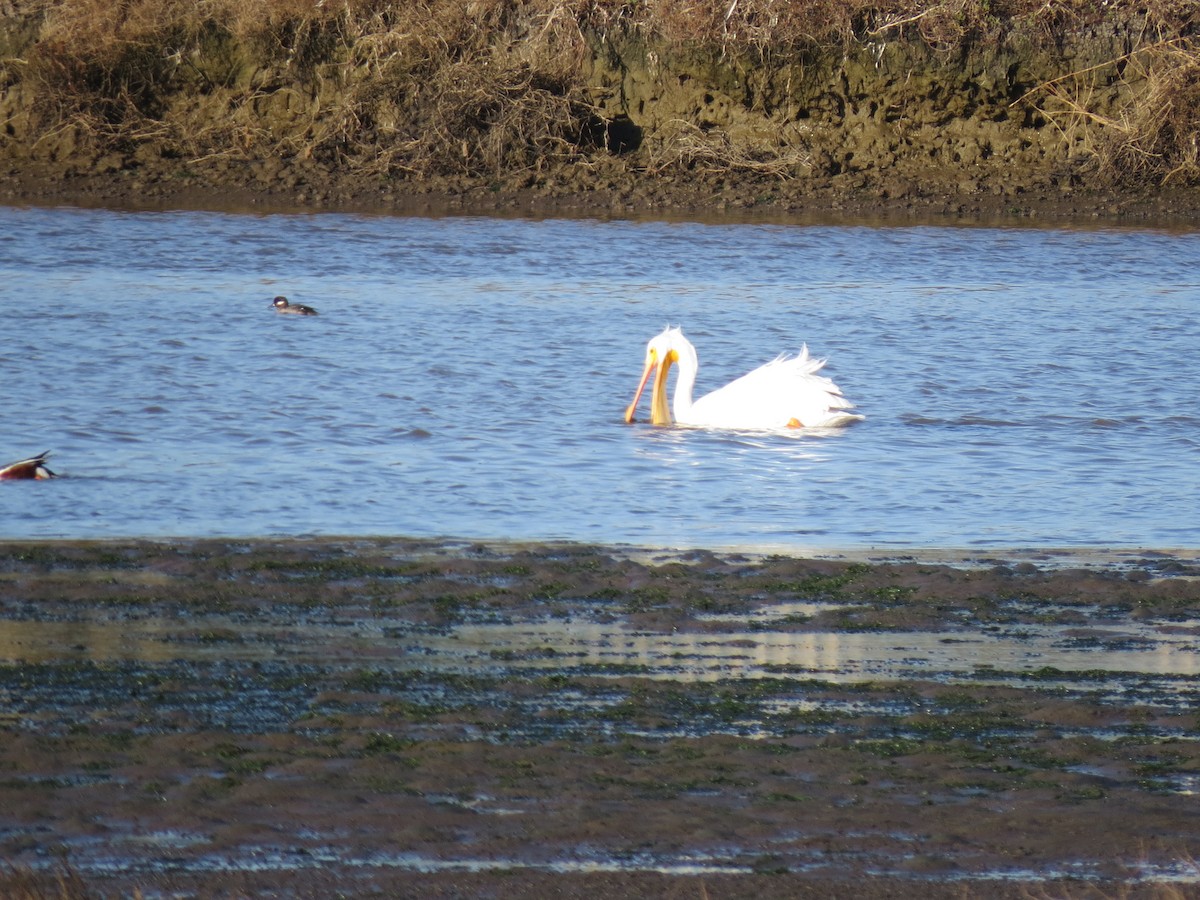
x=1119, y=892
x=23, y=883
x=1159, y=135
x=439, y=86
x=684, y=146
x=491, y=87
x=1153, y=132
x=483, y=92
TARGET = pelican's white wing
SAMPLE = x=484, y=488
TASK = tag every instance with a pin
x=783, y=392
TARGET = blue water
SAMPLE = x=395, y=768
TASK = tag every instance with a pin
x=467, y=376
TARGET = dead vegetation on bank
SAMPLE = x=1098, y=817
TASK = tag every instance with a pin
x=1153, y=137
x=494, y=89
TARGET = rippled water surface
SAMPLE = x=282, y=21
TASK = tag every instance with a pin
x=467, y=377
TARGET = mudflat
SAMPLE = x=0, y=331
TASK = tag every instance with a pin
x=629, y=196
x=311, y=718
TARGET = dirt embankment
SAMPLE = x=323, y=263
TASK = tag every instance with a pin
x=544, y=108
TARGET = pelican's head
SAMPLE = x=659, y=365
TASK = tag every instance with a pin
x=661, y=352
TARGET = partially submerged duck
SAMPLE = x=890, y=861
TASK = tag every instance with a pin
x=32, y=469
x=282, y=305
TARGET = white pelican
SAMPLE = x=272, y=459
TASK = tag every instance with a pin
x=785, y=393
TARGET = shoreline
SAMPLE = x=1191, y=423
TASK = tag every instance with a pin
x=642, y=199
x=488, y=719
x=1047, y=557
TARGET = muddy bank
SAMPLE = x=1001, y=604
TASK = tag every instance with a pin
x=549, y=112
x=218, y=718
x=636, y=197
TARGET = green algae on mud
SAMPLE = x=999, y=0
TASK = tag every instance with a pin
x=420, y=716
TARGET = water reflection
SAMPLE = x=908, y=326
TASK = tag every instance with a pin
x=832, y=657
x=621, y=648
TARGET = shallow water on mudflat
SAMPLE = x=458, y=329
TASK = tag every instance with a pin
x=1160, y=661
x=173, y=708
x=467, y=376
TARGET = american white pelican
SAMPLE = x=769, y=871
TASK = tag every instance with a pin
x=785, y=393
x=32, y=469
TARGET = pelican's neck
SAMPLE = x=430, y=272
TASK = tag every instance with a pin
x=668, y=348
x=685, y=382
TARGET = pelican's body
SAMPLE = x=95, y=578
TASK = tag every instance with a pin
x=282, y=305
x=785, y=393
x=32, y=469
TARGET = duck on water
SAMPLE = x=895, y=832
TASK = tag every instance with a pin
x=32, y=469
x=283, y=305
